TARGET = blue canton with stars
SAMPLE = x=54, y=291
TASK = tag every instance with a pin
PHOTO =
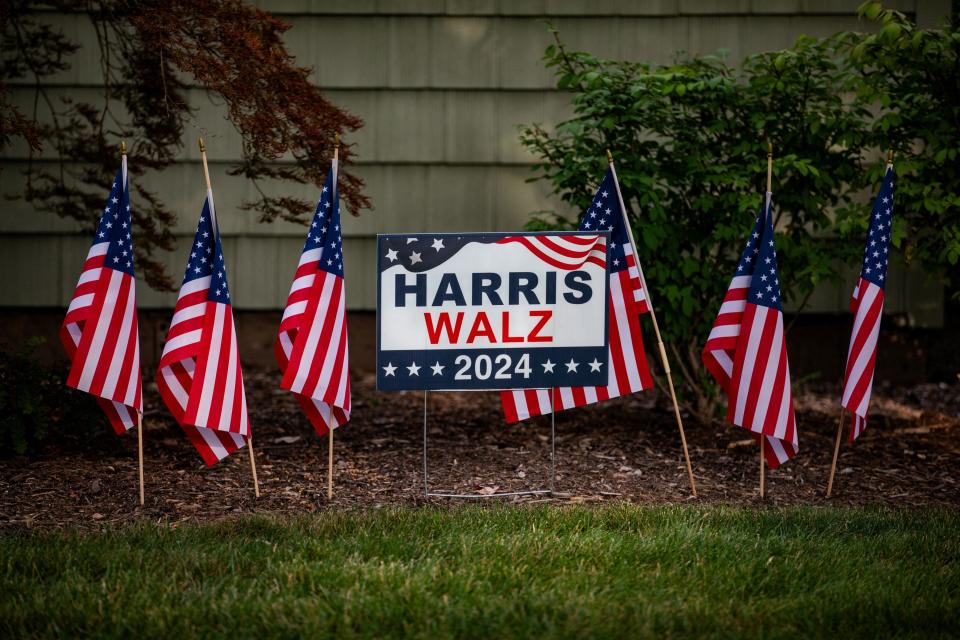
x=876, y=254
x=115, y=228
x=325, y=232
x=765, y=286
x=206, y=258
x=605, y=214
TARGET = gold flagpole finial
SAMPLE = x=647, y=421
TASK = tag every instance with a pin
x=336, y=139
x=203, y=147
x=609, y=157
x=889, y=156
x=769, y=149
x=123, y=148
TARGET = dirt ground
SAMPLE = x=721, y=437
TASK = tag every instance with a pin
x=627, y=449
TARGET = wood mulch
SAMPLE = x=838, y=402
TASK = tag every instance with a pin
x=627, y=449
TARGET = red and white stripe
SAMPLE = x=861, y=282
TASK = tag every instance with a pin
x=628, y=373
x=101, y=338
x=564, y=252
x=199, y=376
x=722, y=343
x=760, y=397
x=311, y=346
x=867, y=306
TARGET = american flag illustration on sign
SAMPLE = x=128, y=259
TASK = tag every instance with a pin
x=492, y=310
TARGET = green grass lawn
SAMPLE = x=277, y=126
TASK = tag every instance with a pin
x=613, y=571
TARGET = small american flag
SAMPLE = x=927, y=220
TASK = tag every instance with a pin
x=199, y=377
x=747, y=353
x=628, y=371
x=99, y=331
x=311, y=346
x=867, y=307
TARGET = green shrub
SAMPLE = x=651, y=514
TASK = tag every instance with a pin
x=690, y=140
x=35, y=403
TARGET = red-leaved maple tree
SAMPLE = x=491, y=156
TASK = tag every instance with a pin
x=151, y=53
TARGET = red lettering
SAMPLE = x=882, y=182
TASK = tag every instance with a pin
x=535, y=333
x=505, y=319
x=443, y=325
x=486, y=331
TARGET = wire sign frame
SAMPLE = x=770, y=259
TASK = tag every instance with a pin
x=505, y=494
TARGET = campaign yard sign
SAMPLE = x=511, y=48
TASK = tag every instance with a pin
x=492, y=310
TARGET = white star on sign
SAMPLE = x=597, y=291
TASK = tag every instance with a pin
x=572, y=366
x=437, y=369
x=595, y=365
x=414, y=370
x=415, y=258
x=548, y=366
x=389, y=369
x=437, y=244
x=391, y=255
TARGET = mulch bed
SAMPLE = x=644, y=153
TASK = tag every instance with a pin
x=628, y=449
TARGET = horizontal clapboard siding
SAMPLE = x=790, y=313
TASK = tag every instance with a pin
x=442, y=86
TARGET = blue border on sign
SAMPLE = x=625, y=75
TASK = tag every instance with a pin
x=415, y=373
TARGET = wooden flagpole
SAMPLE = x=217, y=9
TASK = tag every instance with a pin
x=330, y=457
x=213, y=219
x=836, y=452
x=763, y=466
x=836, y=445
x=656, y=328
x=123, y=160
x=253, y=466
x=140, y=452
x=336, y=176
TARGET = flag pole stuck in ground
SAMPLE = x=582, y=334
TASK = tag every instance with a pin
x=746, y=351
x=330, y=463
x=760, y=440
x=199, y=376
x=311, y=345
x=99, y=331
x=656, y=328
x=867, y=307
x=332, y=426
x=216, y=226
x=123, y=157
x=836, y=451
